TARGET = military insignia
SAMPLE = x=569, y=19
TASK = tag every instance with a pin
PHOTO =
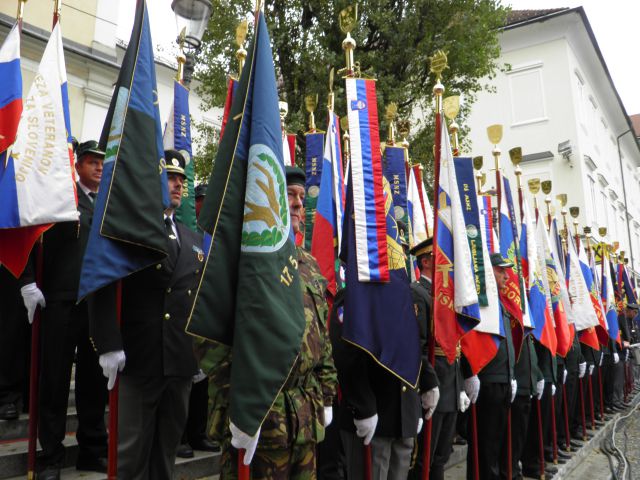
x=314, y=191
x=175, y=162
x=199, y=253
x=173, y=237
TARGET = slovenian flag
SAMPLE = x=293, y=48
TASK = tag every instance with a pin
x=37, y=186
x=327, y=229
x=608, y=300
x=11, y=94
x=419, y=232
x=366, y=177
x=456, y=309
x=596, y=335
x=534, y=275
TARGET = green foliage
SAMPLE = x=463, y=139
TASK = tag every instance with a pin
x=394, y=40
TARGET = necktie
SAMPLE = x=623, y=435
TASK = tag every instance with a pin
x=172, y=240
x=93, y=196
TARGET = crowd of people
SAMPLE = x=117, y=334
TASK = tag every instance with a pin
x=338, y=405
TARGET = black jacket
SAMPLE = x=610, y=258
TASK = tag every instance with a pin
x=156, y=303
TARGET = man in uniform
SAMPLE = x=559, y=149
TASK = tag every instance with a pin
x=285, y=445
x=497, y=390
x=65, y=329
x=452, y=397
x=160, y=361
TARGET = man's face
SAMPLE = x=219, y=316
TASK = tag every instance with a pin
x=176, y=184
x=295, y=194
x=89, y=169
x=501, y=276
x=631, y=313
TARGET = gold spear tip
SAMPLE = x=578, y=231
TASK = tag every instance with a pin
x=574, y=211
x=478, y=162
x=241, y=32
x=344, y=124
x=494, y=132
x=546, y=187
x=438, y=63
x=515, y=154
x=534, y=185
x=451, y=106
x=311, y=102
x=562, y=199
x=348, y=18
x=391, y=112
x=331, y=75
x=602, y=231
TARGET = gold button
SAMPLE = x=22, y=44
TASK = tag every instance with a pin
x=404, y=389
x=167, y=316
x=169, y=290
x=158, y=266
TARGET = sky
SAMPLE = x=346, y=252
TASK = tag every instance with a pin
x=615, y=24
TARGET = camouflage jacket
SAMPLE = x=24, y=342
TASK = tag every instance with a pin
x=297, y=414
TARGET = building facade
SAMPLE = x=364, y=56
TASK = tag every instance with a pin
x=557, y=101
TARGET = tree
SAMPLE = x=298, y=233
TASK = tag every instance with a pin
x=394, y=40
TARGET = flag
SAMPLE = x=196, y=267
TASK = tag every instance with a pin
x=379, y=317
x=366, y=178
x=597, y=334
x=455, y=309
x=629, y=293
x=608, y=300
x=289, y=148
x=177, y=136
x=481, y=344
x=395, y=172
x=257, y=309
x=37, y=186
x=128, y=232
x=534, y=272
x=602, y=330
x=314, y=145
x=417, y=220
x=581, y=305
x=327, y=229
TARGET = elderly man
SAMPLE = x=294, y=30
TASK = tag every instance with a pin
x=159, y=356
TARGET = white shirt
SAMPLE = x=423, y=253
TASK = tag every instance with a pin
x=86, y=190
x=173, y=227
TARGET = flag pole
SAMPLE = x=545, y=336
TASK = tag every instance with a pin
x=56, y=12
x=20, y=13
x=603, y=249
x=112, y=445
x=587, y=235
x=34, y=373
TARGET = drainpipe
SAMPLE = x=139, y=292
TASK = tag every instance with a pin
x=624, y=194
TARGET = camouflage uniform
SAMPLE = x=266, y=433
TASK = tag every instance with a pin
x=294, y=425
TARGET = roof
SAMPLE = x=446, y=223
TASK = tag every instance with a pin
x=518, y=16
x=635, y=121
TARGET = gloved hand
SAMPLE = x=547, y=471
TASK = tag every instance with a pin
x=472, y=388
x=601, y=360
x=112, y=363
x=553, y=390
x=430, y=401
x=198, y=377
x=366, y=428
x=564, y=376
x=32, y=297
x=239, y=440
x=539, y=389
x=328, y=416
x=514, y=389
x=420, y=423
x=616, y=358
x=582, y=369
x=591, y=367
x=463, y=402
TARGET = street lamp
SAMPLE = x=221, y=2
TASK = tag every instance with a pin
x=192, y=17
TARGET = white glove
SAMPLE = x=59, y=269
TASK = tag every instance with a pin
x=591, y=367
x=514, y=389
x=564, y=376
x=553, y=390
x=582, y=369
x=539, y=389
x=328, y=416
x=472, y=388
x=240, y=440
x=429, y=401
x=198, y=377
x=366, y=428
x=626, y=355
x=616, y=358
x=601, y=360
x=463, y=402
x=112, y=363
x=32, y=297
x=420, y=423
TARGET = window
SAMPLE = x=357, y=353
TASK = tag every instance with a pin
x=527, y=95
x=580, y=100
x=594, y=209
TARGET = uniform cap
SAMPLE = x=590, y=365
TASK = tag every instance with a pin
x=295, y=176
x=497, y=260
x=175, y=162
x=90, y=146
x=423, y=248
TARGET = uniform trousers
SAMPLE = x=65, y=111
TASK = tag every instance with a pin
x=65, y=328
x=152, y=417
x=14, y=341
x=443, y=429
x=196, y=428
x=492, y=407
x=531, y=455
x=390, y=457
x=520, y=412
x=330, y=452
x=571, y=387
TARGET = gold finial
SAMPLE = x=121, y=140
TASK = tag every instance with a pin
x=534, y=185
x=20, y=9
x=515, y=154
x=241, y=36
x=546, y=187
x=477, y=162
x=310, y=103
x=483, y=179
x=258, y=5
x=562, y=199
x=390, y=115
x=404, y=129
x=602, y=231
x=615, y=246
x=284, y=111
x=438, y=64
x=348, y=19
x=494, y=132
x=574, y=212
x=181, y=58
x=451, y=106
x=330, y=103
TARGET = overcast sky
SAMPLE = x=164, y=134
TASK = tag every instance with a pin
x=614, y=22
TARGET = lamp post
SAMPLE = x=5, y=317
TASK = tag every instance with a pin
x=192, y=17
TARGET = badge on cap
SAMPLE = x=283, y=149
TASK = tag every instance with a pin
x=175, y=162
